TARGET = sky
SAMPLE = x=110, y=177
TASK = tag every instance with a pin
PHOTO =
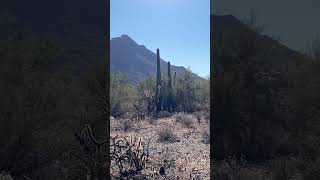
x=179, y=28
x=296, y=22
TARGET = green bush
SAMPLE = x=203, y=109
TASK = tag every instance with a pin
x=122, y=94
x=185, y=92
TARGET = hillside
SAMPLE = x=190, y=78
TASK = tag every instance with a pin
x=136, y=61
x=268, y=49
x=264, y=97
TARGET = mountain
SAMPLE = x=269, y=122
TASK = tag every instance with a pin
x=76, y=27
x=268, y=49
x=136, y=61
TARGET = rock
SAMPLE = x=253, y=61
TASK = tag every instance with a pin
x=162, y=171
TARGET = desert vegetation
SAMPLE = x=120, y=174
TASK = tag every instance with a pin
x=43, y=106
x=166, y=119
x=265, y=114
x=177, y=94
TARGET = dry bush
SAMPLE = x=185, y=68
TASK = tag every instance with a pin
x=126, y=125
x=167, y=135
x=198, y=116
x=297, y=167
x=129, y=156
x=207, y=116
x=184, y=120
x=179, y=117
x=206, y=136
x=187, y=121
x=151, y=120
x=164, y=114
x=280, y=169
x=5, y=177
x=91, y=158
x=232, y=169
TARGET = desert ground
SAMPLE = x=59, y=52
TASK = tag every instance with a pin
x=177, y=146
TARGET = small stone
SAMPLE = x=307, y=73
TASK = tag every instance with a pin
x=162, y=171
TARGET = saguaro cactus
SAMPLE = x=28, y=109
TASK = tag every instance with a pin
x=158, y=82
x=169, y=100
x=169, y=75
x=174, y=78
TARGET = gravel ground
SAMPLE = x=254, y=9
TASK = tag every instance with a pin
x=185, y=158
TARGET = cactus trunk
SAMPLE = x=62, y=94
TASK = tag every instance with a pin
x=169, y=101
x=174, y=78
x=158, y=91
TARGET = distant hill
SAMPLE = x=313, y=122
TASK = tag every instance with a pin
x=278, y=55
x=136, y=61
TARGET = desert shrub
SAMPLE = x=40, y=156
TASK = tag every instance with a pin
x=146, y=90
x=5, y=177
x=128, y=157
x=184, y=119
x=231, y=168
x=280, y=169
x=164, y=114
x=167, y=135
x=179, y=117
x=187, y=121
x=203, y=94
x=185, y=92
x=205, y=136
x=198, y=116
x=91, y=156
x=122, y=94
x=126, y=125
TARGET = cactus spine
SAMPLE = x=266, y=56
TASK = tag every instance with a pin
x=158, y=90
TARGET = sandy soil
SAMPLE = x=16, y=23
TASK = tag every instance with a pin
x=186, y=158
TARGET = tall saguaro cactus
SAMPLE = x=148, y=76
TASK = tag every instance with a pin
x=169, y=101
x=158, y=82
x=169, y=77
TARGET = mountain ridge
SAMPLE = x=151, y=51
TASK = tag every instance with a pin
x=138, y=62
x=278, y=55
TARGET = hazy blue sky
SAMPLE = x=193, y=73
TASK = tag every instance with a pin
x=295, y=21
x=179, y=28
